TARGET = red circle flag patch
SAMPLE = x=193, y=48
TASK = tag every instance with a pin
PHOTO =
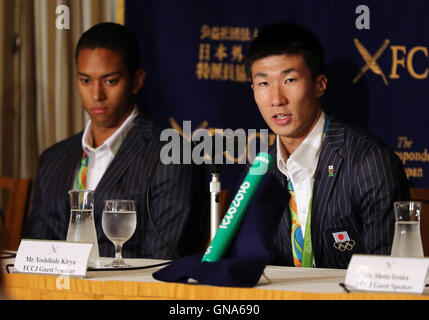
x=341, y=236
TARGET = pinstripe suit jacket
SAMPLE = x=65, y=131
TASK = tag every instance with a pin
x=358, y=198
x=175, y=194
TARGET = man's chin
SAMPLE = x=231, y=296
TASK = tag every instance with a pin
x=102, y=123
x=108, y=125
x=281, y=132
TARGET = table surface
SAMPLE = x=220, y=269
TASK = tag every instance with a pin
x=277, y=283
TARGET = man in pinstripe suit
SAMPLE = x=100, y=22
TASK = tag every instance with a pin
x=117, y=156
x=343, y=180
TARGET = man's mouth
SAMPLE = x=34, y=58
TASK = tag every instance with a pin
x=282, y=118
x=99, y=110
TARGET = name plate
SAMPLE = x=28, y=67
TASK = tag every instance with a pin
x=387, y=274
x=53, y=257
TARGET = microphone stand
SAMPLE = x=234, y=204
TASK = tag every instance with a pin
x=215, y=215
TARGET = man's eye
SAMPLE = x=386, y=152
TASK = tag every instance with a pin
x=290, y=80
x=84, y=81
x=112, y=82
x=262, y=83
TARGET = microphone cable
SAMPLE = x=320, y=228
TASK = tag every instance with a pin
x=171, y=250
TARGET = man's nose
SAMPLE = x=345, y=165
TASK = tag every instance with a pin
x=98, y=91
x=278, y=97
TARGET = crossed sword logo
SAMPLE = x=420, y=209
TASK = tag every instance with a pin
x=371, y=61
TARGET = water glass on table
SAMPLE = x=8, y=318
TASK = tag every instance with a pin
x=119, y=222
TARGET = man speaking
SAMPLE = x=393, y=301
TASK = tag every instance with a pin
x=342, y=181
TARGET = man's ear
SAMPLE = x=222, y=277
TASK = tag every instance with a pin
x=321, y=83
x=138, y=80
x=253, y=87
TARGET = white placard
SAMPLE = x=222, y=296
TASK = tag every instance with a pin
x=53, y=257
x=387, y=274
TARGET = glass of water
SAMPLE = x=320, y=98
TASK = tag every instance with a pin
x=119, y=222
x=407, y=241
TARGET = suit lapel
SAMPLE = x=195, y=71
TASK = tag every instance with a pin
x=74, y=157
x=67, y=170
x=327, y=172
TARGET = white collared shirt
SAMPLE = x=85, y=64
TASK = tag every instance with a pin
x=301, y=166
x=99, y=158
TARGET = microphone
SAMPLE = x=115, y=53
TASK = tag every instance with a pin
x=237, y=209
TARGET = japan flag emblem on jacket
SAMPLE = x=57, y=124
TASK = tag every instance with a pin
x=341, y=236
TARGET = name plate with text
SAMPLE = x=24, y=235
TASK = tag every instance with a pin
x=53, y=257
x=387, y=274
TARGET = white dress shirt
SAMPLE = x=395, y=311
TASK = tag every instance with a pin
x=301, y=166
x=99, y=158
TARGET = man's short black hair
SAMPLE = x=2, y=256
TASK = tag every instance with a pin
x=113, y=36
x=287, y=38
